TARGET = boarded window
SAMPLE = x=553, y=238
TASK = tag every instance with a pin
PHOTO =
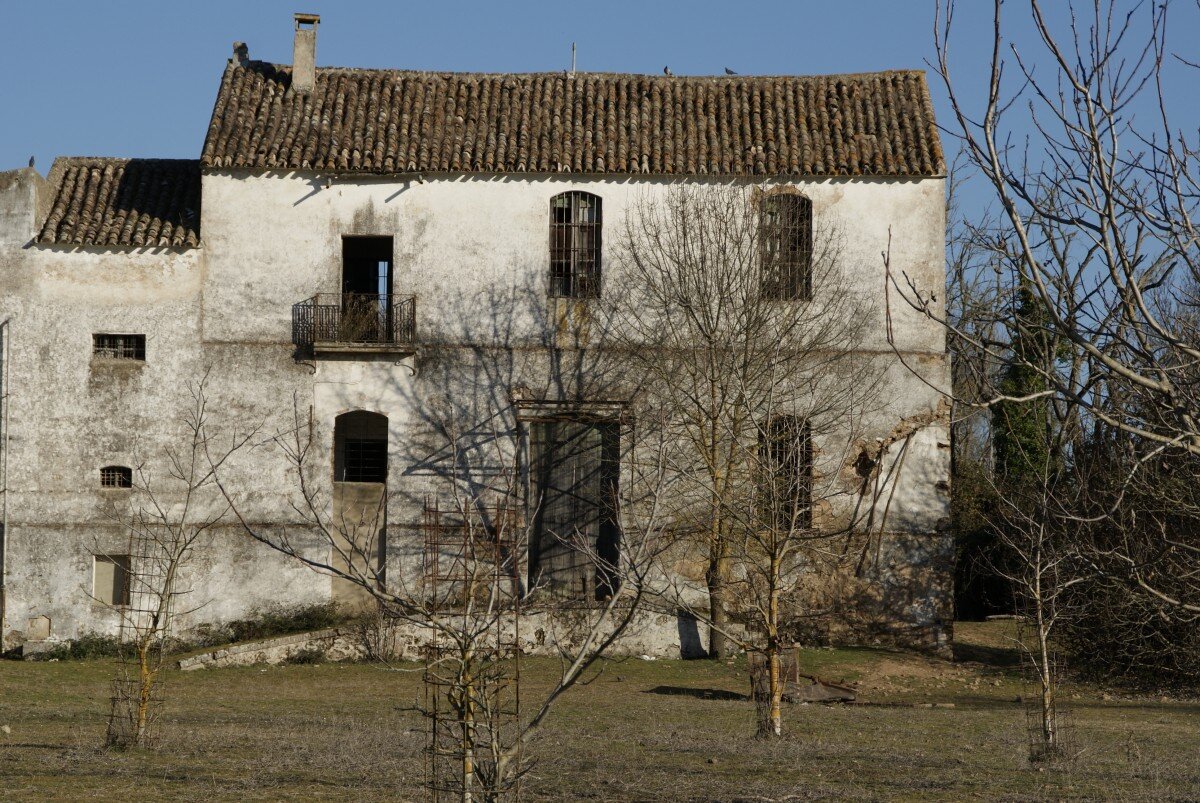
x=360, y=447
x=116, y=477
x=110, y=579
x=575, y=245
x=785, y=453
x=574, y=472
x=786, y=238
x=119, y=347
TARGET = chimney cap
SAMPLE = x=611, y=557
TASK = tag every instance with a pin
x=306, y=19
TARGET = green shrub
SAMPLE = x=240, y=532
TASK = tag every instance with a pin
x=86, y=647
x=280, y=621
x=308, y=655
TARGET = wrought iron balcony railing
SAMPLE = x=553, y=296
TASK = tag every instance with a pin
x=346, y=319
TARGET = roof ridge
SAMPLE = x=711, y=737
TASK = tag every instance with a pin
x=126, y=159
x=287, y=68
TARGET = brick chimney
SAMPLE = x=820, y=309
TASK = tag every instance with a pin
x=304, y=53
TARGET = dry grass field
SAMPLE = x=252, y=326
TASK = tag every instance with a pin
x=641, y=730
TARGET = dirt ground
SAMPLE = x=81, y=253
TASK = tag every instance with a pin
x=923, y=729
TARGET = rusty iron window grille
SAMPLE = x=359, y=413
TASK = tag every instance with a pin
x=786, y=458
x=365, y=460
x=116, y=477
x=575, y=539
x=119, y=347
x=786, y=238
x=575, y=221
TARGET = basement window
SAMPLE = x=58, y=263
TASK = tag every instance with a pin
x=119, y=347
x=116, y=477
x=110, y=579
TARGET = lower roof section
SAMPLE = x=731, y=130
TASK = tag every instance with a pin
x=123, y=203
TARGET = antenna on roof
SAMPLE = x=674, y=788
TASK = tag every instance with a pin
x=572, y=58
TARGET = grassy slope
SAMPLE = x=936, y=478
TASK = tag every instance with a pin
x=335, y=732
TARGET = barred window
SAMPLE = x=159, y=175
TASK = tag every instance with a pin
x=360, y=447
x=786, y=459
x=119, y=347
x=787, y=247
x=574, y=544
x=575, y=245
x=116, y=477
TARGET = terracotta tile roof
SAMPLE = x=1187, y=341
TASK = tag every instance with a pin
x=123, y=203
x=390, y=121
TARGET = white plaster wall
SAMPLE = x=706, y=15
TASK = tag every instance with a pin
x=474, y=251
x=462, y=241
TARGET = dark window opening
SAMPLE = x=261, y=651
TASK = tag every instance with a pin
x=116, y=477
x=574, y=473
x=119, y=347
x=367, y=297
x=786, y=457
x=575, y=245
x=787, y=247
x=360, y=447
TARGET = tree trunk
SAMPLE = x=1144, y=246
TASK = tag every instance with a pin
x=141, y=734
x=719, y=646
x=1046, y=673
x=771, y=726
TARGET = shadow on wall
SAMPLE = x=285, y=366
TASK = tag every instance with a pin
x=690, y=644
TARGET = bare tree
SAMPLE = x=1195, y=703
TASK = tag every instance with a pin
x=1039, y=557
x=168, y=515
x=1097, y=190
x=466, y=595
x=746, y=341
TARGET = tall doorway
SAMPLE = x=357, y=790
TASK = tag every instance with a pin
x=367, y=289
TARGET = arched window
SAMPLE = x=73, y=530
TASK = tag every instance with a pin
x=116, y=477
x=575, y=245
x=360, y=447
x=786, y=238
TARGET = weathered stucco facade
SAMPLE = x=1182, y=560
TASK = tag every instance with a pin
x=471, y=246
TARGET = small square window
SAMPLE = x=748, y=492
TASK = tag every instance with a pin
x=116, y=477
x=110, y=579
x=119, y=347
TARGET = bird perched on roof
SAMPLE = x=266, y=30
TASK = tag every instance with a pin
x=729, y=71
x=666, y=70
x=31, y=161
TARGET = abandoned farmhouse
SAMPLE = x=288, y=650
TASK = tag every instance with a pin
x=367, y=254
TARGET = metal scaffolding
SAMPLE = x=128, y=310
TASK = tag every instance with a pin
x=472, y=654
x=146, y=582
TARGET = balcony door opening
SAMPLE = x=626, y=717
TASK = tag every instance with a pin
x=367, y=289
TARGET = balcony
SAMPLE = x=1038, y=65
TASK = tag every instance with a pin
x=355, y=323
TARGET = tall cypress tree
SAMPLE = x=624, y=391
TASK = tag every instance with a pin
x=1021, y=430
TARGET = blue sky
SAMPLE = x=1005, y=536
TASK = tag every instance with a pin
x=139, y=78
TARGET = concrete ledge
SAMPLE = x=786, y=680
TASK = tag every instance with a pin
x=656, y=635
x=265, y=651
